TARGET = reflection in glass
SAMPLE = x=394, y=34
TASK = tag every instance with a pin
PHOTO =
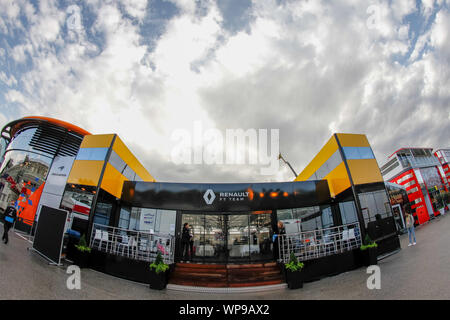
x=374, y=203
x=261, y=246
x=21, y=169
x=238, y=237
x=348, y=212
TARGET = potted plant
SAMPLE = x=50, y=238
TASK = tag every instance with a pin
x=159, y=273
x=81, y=254
x=294, y=276
x=370, y=251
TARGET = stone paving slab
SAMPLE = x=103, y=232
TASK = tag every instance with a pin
x=416, y=272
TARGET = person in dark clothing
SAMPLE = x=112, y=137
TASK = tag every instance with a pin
x=281, y=231
x=186, y=242
x=10, y=217
x=191, y=242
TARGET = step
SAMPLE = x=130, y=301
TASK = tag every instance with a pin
x=222, y=276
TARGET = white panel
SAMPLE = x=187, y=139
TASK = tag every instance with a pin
x=419, y=176
x=58, y=175
x=49, y=200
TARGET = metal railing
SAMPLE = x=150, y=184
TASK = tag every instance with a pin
x=319, y=243
x=137, y=245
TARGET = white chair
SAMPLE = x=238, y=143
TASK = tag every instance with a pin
x=351, y=236
x=344, y=239
x=98, y=238
x=132, y=244
x=123, y=244
x=105, y=239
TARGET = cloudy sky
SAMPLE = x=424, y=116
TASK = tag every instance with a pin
x=148, y=68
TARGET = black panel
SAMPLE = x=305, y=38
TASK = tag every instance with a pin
x=49, y=232
x=55, y=140
x=226, y=196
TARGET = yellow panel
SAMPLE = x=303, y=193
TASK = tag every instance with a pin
x=338, y=180
x=122, y=150
x=364, y=171
x=353, y=140
x=85, y=172
x=112, y=181
x=324, y=154
x=97, y=141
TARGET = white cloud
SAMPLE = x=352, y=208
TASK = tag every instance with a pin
x=308, y=68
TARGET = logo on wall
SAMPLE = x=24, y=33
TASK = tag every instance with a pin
x=209, y=196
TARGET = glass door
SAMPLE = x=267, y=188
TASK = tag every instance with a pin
x=214, y=247
x=398, y=216
x=238, y=238
x=227, y=238
x=261, y=246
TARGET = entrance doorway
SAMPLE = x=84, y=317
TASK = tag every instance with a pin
x=228, y=237
x=398, y=217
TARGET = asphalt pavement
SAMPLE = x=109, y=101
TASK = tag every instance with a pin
x=417, y=272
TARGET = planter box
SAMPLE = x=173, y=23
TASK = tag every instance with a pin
x=294, y=279
x=80, y=258
x=158, y=281
x=370, y=256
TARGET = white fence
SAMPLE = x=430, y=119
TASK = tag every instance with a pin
x=137, y=245
x=319, y=243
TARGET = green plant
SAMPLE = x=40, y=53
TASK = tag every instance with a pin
x=82, y=245
x=159, y=264
x=294, y=265
x=368, y=243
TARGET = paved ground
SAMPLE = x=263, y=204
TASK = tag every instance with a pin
x=417, y=272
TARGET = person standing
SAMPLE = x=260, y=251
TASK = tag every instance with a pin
x=10, y=217
x=185, y=241
x=410, y=228
x=191, y=242
x=281, y=231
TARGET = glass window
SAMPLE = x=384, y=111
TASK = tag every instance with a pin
x=238, y=237
x=373, y=203
x=129, y=173
x=327, y=218
x=142, y=219
x=124, y=218
x=334, y=161
x=102, y=213
x=22, y=139
x=22, y=169
x=96, y=154
x=355, y=153
x=116, y=161
x=366, y=153
x=348, y=212
x=351, y=153
x=165, y=221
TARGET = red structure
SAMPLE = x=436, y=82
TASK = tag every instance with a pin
x=420, y=172
x=443, y=156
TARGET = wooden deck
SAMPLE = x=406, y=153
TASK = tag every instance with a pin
x=226, y=275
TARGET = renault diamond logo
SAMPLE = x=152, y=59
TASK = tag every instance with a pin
x=209, y=196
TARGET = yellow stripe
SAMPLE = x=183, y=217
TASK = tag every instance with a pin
x=364, y=171
x=112, y=181
x=97, y=141
x=324, y=154
x=353, y=140
x=123, y=152
x=85, y=172
x=338, y=180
